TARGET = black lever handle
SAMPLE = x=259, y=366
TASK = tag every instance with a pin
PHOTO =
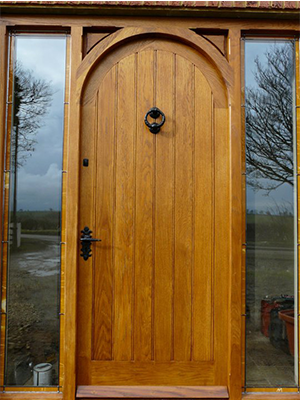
x=86, y=239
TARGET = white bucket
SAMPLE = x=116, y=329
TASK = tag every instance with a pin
x=42, y=374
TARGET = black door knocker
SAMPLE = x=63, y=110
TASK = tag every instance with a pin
x=154, y=113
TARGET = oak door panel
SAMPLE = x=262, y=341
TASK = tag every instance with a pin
x=150, y=304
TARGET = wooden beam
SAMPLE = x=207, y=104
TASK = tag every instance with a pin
x=245, y=24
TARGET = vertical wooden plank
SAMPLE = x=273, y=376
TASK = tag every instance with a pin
x=124, y=212
x=103, y=274
x=204, y=220
x=87, y=218
x=72, y=218
x=183, y=208
x=145, y=191
x=164, y=204
x=237, y=217
x=221, y=274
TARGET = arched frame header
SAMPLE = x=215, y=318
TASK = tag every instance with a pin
x=115, y=46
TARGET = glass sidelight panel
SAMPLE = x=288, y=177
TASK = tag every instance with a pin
x=271, y=255
x=32, y=218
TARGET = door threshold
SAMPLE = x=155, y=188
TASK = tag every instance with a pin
x=152, y=392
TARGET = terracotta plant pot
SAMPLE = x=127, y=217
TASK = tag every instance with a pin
x=288, y=317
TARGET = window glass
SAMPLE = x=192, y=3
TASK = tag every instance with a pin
x=271, y=261
x=35, y=146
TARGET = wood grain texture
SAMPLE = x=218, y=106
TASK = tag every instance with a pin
x=184, y=207
x=219, y=41
x=267, y=391
x=163, y=346
x=85, y=326
x=72, y=221
x=271, y=396
x=144, y=217
x=288, y=25
x=25, y=389
x=164, y=210
x=222, y=245
x=124, y=212
x=152, y=392
x=34, y=396
x=104, y=203
x=91, y=39
x=144, y=373
x=129, y=45
x=237, y=223
x=152, y=315
x=221, y=69
x=204, y=221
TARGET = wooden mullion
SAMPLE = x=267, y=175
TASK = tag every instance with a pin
x=234, y=57
x=72, y=184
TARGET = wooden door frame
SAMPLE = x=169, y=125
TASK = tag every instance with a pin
x=79, y=72
x=183, y=35
x=77, y=24
x=222, y=83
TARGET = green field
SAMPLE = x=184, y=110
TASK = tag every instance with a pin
x=270, y=230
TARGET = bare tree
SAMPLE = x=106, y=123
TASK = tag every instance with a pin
x=32, y=97
x=269, y=120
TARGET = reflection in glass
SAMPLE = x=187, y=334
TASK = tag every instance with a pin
x=36, y=143
x=271, y=328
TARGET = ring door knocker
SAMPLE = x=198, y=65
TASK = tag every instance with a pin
x=154, y=113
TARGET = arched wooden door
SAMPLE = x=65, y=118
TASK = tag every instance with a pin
x=153, y=298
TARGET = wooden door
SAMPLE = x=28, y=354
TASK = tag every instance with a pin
x=153, y=298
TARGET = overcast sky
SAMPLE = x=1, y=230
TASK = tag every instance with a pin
x=39, y=179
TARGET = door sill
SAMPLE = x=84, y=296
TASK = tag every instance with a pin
x=152, y=392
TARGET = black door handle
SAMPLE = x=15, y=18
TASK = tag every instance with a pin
x=86, y=240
